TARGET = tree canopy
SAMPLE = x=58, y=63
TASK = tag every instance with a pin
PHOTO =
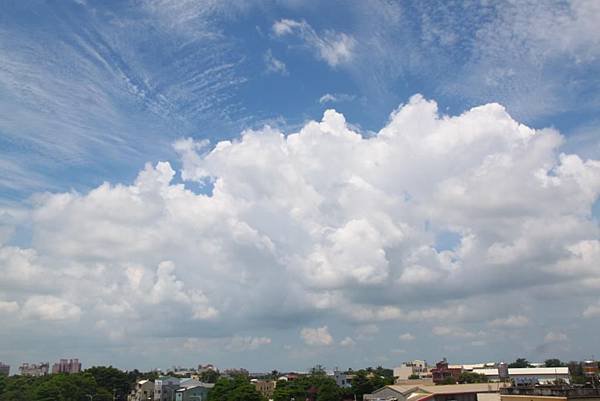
x=520, y=363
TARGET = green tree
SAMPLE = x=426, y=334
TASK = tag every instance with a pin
x=236, y=389
x=366, y=381
x=209, y=376
x=448, y=380
x=520, y=363
x=471, y=377
x=553, y=363
x=113, y=380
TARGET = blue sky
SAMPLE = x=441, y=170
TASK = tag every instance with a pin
x=91, y=91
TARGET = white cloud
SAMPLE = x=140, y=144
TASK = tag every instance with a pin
x=273, y=64
x=592, y=310
x=553, y=337
x=454, y=331
x=316, y=336
x=47, y=307
x=512, y=321
x=406, y=337
x=347, y=342
x=247, y=343
x=235, y=343
x=345, y=225
x=332, y=47
x=8, y=308
x=335, y=98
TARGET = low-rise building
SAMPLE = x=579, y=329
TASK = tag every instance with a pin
x=589, y=368
x=453, y=392
x=444, y=372
x=34, y=369
x=549, y=393
x=165, y=388
x=143, y=391
x=265, y=387
x=532, y=376
x=412, y=368
x=193, y=390
x=4, y=369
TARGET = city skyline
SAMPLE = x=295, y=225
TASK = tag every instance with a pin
x=287, y=183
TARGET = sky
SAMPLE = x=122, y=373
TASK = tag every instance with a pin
x=280, y=184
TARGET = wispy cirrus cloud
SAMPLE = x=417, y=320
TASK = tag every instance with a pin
x=335, y=48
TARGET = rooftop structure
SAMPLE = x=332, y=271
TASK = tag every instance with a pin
x=549, y=393
x=456, y=392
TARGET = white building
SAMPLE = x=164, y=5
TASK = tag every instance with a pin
x=529, y=375
x=407, y=369
x=143, y=391
x=539, y=375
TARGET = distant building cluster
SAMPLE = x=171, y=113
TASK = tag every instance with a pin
x=414, y=380
x=67, y=366
x=443, y=372
x=417, y=381
x=43, y=368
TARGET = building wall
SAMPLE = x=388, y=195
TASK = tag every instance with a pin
x=4, y=369
x=403, y=372
x=530, y=398
x=265, y=387
x=455, y=397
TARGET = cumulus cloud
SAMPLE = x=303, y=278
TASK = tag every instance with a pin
x=47, y=307
x=348, y=342
x=406, y=337
x=592, y=310
x=321, y=222
x=334, y=48
x=316, y=336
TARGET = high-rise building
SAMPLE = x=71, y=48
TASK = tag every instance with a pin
x=34, y=369
x=67, y=366
x=4, y=369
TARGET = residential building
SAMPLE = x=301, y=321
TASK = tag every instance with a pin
x=67, y=366
x=165, y=388
x=34, y=369
x=413, y=368
x=443, y=372
x=453, y=392
x=403, y=372
x=342, y=379
x=265, y=387
x=193, y=393
x=193, y=390
x=590, y=368
x=143, y=391
x=4, y=369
